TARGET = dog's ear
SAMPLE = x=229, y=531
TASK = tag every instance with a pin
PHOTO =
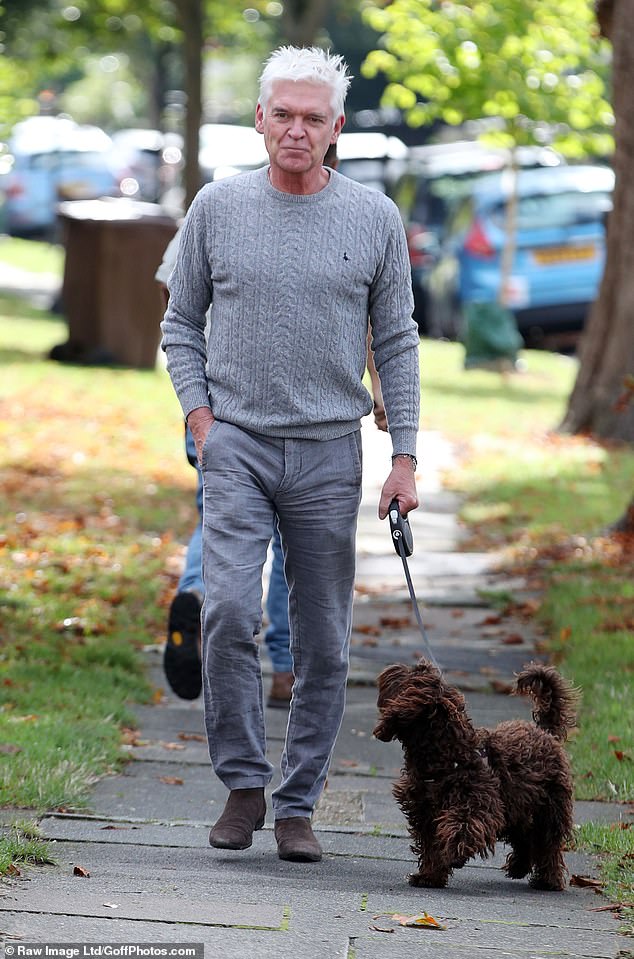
x=390, y=681
x=385, y=729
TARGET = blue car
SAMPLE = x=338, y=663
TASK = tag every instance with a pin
x=559, y=255
x=54, y=159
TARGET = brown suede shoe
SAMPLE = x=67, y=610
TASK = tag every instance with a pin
x=296, y=840
x=281, y=690
x=244, y=812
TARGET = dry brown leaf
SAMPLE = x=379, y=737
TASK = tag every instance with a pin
x=513, y=639
x=172, y=745
x=80, y=871
x=367, y=629
x=192, y=737
x=586, y=882
x=395, y=622
x=172, y=780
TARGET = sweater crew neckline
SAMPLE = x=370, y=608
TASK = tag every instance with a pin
x=284, y=197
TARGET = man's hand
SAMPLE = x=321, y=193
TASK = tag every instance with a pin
x=400, y=485
x=200, y=421
x=379, y=416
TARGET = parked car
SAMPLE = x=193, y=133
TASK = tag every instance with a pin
x=559, y=257
x=54, y=159
x=227, y=149
x=147, y=163
x=436, y=178
x=374, y=159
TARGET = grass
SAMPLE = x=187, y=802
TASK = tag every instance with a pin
x=95, y=494
x=34, y=256
x=614, y=845
x=21, y=844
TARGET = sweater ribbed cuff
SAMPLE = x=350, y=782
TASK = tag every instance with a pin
x=404, y=441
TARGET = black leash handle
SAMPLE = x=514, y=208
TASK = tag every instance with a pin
x=400, y=529
x=403, y=540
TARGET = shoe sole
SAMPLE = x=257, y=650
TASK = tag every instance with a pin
x=301, y=856
x=181, y=658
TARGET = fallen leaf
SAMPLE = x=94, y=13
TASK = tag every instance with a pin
x=380, y=929
x=192, y=737
x=172, y=745
x=586, y=882
x=614, y=739
x=12, y=870
x=395, y=622
x=172, y=780
x=367, y=629
x=424, y=921
x=492, y=620
x=421, y=921
x=457, y=613
x=80, y=871
x=513, y=639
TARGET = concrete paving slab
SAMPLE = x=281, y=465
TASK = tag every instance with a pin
x=85, y=900
x=219, y=943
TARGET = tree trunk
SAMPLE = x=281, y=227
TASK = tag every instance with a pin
x=598, y=403
x=626, y=523
x=303, y=19
x=190, y=12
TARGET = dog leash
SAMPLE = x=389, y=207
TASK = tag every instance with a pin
x=403, y=540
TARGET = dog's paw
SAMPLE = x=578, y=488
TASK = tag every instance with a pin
x=427, y=882
x=550, y=884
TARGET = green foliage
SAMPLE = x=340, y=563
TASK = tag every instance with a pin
x=21, y=843
x=536, y=66
x=50, y=47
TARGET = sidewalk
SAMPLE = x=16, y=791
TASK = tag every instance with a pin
x=154, y=879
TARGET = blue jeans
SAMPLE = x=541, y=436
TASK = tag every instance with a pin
x=314, y=489
x=277, y=636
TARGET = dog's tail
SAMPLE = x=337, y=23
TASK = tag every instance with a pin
x=555, y=700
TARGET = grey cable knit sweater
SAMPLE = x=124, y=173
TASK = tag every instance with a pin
x=291, y=281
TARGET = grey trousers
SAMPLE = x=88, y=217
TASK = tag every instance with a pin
x=314, y=487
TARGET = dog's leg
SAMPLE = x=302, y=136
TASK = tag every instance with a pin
x=552, y=828
x=433, y=871
x=519, y=861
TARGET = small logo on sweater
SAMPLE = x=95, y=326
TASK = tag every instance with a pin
x=346, y=257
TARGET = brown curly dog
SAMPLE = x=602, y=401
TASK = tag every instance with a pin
x=462, y=788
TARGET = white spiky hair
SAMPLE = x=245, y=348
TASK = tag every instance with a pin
x=307, y=63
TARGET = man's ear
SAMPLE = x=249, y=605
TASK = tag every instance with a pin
x=259, y=119
x=336, y=130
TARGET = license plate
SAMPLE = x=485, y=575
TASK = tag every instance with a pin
x=564, y=254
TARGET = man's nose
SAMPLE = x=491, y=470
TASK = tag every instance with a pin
x=297, y=128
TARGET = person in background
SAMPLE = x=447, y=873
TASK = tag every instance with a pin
x=181, y=655
x=292, y=259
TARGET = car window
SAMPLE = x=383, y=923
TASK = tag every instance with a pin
x=82, y=159
x=556, y=210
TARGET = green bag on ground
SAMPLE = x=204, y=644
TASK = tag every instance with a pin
x=491, y=336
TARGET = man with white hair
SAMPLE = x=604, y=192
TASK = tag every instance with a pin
x=292, y=259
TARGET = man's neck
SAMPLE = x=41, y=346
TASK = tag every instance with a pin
x=299, y=184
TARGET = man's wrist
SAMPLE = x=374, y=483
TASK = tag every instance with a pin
x=407, y=456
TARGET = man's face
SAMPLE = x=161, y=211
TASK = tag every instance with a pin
x=299, y=125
